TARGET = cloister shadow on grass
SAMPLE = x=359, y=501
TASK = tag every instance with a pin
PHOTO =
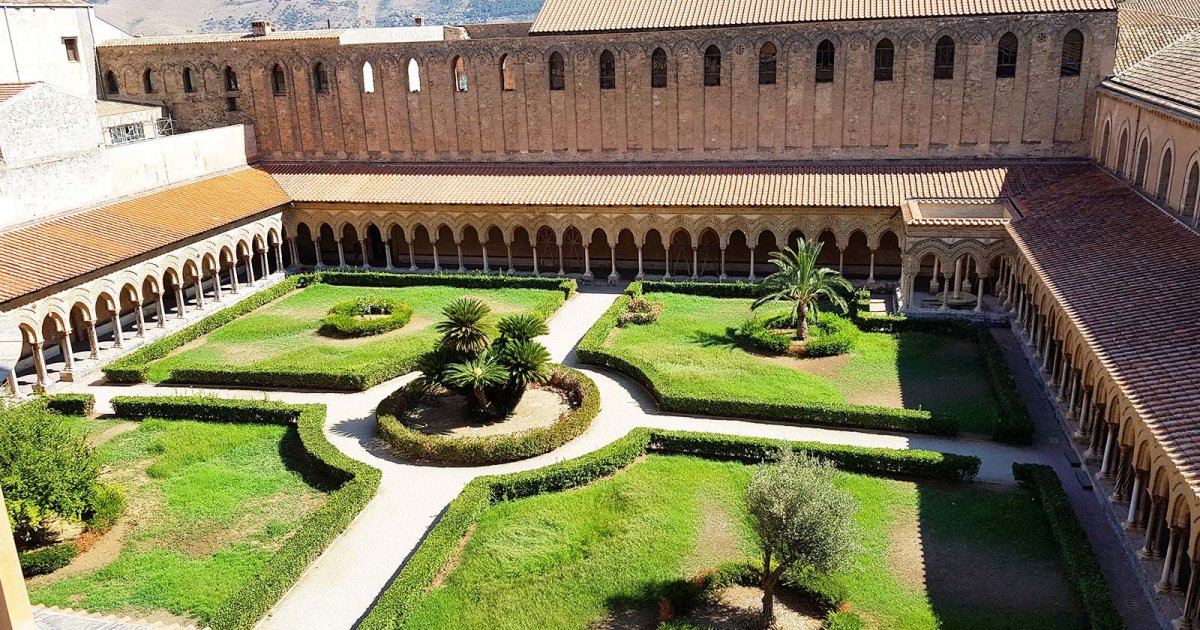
x=947, y=376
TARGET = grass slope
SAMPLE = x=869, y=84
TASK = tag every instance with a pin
x=209, y=503
x=284, y=335
x=568, y=559
x=689, y=352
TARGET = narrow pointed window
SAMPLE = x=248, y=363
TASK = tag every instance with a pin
x=768, y=63
x=608, y=71
x=1072, y=54
x=712, y=66
x=885, y=60
x=558, y=72
x=658, y=68
x=1006, y=57
x=943, y=59
x=825, y=59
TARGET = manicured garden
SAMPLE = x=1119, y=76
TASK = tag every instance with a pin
x=280, y=343
x=931, y=554
x=694, y=360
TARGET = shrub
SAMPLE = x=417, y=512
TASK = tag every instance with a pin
x=352, y=318
x=759, y=333
x=1082, y=568
x=105, y=507
x=640, y=311
x=46, y=469
x=834, y=335
x=357, y=484
x=567, y=286
x=711, y=289
x=47, y=559
x=71, y=404
x=580, y=391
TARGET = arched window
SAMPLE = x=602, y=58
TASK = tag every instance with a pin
x=231, y=82
x=1006, y=57
x=368, y=78
x=767, y=64
x=111, y=84
x=943, y=58
x=658, y=68
x=712, y=66
x=1164, y=175
x=558, y=72
x=1072, y=54
x=825, y=59
x=188, y=84
x=148, y=85
x=1104, y=140
x=1191, y=191
x=414, y=76
x=885, y=60
x=508, y=81
x=279, y=80
x=608, y=71
x=1143, y=163
x=1122, y=149
x=460, y=74
x=320, y=79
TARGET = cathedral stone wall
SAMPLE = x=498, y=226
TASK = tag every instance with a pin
x=508, y=110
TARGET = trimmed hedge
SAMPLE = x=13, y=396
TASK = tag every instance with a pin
x=357, y=484
x=493, y=449
x=133, y=367
x=71, y=404
x=349, y=318
x=711, y=289
x=1082, y=568
x=591, y=351
x=396, y=603
x=47, y=559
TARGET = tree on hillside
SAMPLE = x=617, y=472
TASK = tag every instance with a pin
x=803, y=520
x=801, y=282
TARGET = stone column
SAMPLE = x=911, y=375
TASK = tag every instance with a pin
x=317, y=251
x=461, y=267
x=751, y=277
x=979, y=294
x=587, y=264
x=161, y=307
x=1099, y=432
x=1083, y=431
x=841, y=260
x=437, y=264
x=199, y=294
x=640, y=273
x=15, y=612
x=262, y=262
x=561, y=270
x=233, y=279
x=613, y=276
x=1164, y=584
x=141, y=318
x=14, y=390
x=1191, y=604
x=958, y=277
x=486, y=267
x=341, y=255
x=1155, y=524
x=178, y=305
x=217, y=286
x=945, y=294
x=39, y=366
x=1124, y=473
x=695, y=263
x=412, y=257
x=366, y=260
x=1106, y=459
x=535, y=261
x=93, y=340
x=68, y=352
x=511, y=268
x=387, y=254
x=667, y=264
x=933, y=282
x=118, y=334
x=722, y=277
x=871, y=272
x=1135, y=502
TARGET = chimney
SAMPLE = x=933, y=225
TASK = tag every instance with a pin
x=258, y=28
x=418, y=20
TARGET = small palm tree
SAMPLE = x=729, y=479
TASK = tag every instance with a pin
x=799, y=280
x=522, y=327
x=462, y=331
x=526, y=362
x=478, y=374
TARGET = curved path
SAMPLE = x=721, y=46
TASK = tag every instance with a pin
x=341, y=585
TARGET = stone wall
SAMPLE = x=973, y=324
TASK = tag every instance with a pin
x=1036, y=113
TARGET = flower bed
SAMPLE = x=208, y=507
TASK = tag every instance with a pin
x=365, y=316
x=579, y=390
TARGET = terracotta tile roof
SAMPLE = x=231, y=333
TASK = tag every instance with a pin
x=43, y=254
x=1181, y=8
x=1128, y=281
x=572, y=16
x=1141, y=34
x=9, y=90
x=44, y=3
x=715, y=184
x=221, y=38
x=1172, y=73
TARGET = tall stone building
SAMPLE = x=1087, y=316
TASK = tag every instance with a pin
x=1041, y=155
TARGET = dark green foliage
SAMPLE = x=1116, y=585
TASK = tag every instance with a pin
x=47, y=559
x=1014, y=425
x=350, y=319
x=759, y=333
x=356, y=484
x=466, y=281
x=526, y=362
x=71, y=404
x=462, y=329
x=521, y=327
x=831, y=336
x=710, y=289
x=106, y=506
x=46, y=470
x=392, y=609
x=1082, y=568
x=581, y=394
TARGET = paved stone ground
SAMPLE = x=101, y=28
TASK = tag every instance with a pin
x=341, y=585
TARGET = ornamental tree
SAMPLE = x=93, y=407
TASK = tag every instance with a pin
x=802, y=283
x=803, y=520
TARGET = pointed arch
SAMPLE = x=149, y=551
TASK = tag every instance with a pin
x=1072, y=54
x=189, y=84
x=414, y=76
x=608, y=70
x=557, y=69
x=110, y=83
x=943, y=58
x=320, y=79
x=885, y=60
x=231, y=80
x=461, y=82
x=368, y=77
x=508, y=80
x=1006, y=56
x=658, y=68
x=768, y=62
x=824, y=61
x=1164, y=173
x=149, y=84
x=278, y=80
x=712, y=66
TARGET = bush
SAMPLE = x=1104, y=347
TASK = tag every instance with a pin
x=392, y=608
x=1082, y=568
x=105, y=507
x=711, y=289
x=640, y=311
x=357, y=483
x=478, y=451
x=567, y=286
x=758, y=333
x=350, y=319
x=47, y=559
x=46, y=469
x=834, y=335
x=71, y=404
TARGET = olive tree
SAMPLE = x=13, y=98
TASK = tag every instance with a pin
x=803, y=520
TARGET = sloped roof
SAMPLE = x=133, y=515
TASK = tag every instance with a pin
x=1125, y=279
x=1141, y=34
x=1181, y=8
x=573, y=16
x=41, y=255
x=1172, y=73
x=9, y=90
x=222, y=38
x=657, y=184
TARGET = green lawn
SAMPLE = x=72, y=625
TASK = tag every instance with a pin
x=689, y=352
x=566, y=560
x=283, y=335
x=208, y=504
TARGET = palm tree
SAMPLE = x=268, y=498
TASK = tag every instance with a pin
x=526, y=362
x=478, y=374
x=462, y=331
x=799, y=280
x=522, y=327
